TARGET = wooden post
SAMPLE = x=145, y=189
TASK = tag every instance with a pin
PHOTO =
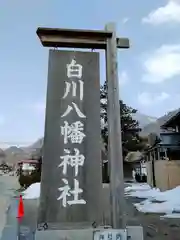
x=158, y=152
x=165, y=152
x=153, y=169
x=118, y=209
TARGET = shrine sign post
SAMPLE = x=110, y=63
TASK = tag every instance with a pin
x=71, y=183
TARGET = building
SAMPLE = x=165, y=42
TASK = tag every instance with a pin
x=163, y=155
x=26, y=167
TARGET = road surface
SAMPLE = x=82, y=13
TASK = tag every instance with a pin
x=10, y=226
x=154, y=228
x=8, y=185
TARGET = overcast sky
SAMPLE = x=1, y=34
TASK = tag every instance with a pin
x=148, y=72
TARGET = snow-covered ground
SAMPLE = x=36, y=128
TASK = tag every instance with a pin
x=167, y=202
x=32, y=192
x=154, y=201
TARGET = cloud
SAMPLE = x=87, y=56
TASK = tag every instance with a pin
x=162, y=64
x=123, y=78
x=170, y=13
x=148, y=99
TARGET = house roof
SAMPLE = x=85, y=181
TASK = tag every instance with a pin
x=27, y=161
x=171, y=118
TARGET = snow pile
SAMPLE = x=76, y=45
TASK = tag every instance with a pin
x=141, y=191
x=156, y=202
x=171, y=215
x=137, y=187
x=32, y=192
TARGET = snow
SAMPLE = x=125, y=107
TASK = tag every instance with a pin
x=27, y=166
x=167, y=202
x=141, y=191
x=172, y=215
x=32, y=192
x=155, y=201
x=136, y=187
x=149, y=207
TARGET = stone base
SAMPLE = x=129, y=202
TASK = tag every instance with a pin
x=133, y=233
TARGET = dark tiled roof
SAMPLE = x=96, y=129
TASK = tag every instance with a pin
x=171, y=117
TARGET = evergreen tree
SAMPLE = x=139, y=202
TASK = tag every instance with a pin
x=130, y=127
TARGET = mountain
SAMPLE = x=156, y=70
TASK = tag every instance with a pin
x=35, y=146
x=2, y=155
x=155, y=127
x=14, y=154
x=35, y=150
x=147, y=123
x=143, y=119
x=13, y=150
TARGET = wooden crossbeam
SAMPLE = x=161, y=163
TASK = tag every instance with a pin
x=77, y=38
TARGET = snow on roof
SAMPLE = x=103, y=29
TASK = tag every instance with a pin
x=134, y=156
x=28, y=167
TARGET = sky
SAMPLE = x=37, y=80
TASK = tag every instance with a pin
x=148, y=71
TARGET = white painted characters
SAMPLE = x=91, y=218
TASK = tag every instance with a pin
x=73, y=86
x=70, y=108
x=75, y=161
x=74, y=132
x=67, y=192
x=74, y=70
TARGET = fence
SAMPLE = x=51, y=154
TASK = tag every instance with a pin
x=166, y=174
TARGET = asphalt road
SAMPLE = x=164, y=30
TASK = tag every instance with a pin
x=153, y=227
x=24, y=229
x=8, y=184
